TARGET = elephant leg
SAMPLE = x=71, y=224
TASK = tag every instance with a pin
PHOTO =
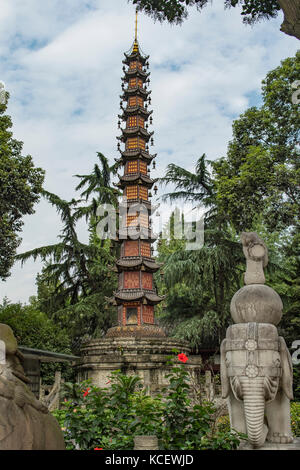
x=279, y=419
x=236, y=414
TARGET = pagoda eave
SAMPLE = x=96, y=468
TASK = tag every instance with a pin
x=135, y=91
x=137, y=202
x=135, y=233
x=132, y=154
x=131, y=295
x=132, y=110
x=138, y=178
x=135, y=110
x=135, y=56
x=136, y=73
x=132, y=263
x=135, y=132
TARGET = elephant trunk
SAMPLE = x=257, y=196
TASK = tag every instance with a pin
x=254, y=406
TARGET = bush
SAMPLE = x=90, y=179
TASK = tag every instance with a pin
x=295, y=418
x=34, y=329
x=109, y=418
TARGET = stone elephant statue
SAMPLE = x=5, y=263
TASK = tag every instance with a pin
x=256, y=375
x=25, y=423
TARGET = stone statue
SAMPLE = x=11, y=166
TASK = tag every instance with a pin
x=256, y=367
x=25, y=423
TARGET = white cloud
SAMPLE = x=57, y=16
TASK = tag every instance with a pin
x=61, y=60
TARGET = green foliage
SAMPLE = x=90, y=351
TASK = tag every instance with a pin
x=33, y=329
x=110, y=418
x=175, y=11
x=261, y=174
x=295, y=418
x=199, y=283
x=256, y=188
x=20, y=188
x=77, y=280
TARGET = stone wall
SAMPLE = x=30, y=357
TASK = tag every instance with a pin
x=146, y=357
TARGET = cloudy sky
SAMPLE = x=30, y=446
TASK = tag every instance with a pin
x=61, y=61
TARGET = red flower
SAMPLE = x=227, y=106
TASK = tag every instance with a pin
x=108, y=382
x=86, y=392
x=98, y=448
x=182, y=357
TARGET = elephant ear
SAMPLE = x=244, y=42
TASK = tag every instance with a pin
x=287, y=369
x=223, y=371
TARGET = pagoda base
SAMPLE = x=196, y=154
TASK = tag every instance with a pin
x=138, y=331
x=146, y=357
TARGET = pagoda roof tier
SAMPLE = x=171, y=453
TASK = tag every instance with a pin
x=135, y=56
x=135, y=132
x=133, y=110
x=133, y=154
x=135, y=233
x=131, y=73
x=137, y=90
x=139, y=202
x=129, y=295
x=126, y=263
x=138, y=178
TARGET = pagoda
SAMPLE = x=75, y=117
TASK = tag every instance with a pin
x=136, y=344
x=136, y=296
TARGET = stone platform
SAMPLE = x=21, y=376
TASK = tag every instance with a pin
x=146, y=357
x=273, y=446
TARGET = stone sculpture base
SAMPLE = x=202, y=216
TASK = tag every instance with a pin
x=273, y=446
x=145, y=357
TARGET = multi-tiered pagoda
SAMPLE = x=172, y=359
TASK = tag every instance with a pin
x=136, y=295
x=136, y=344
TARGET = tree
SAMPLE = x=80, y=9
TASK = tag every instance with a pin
x=200, y=285
x=175, y=11
x=76, y=274
x=255, y=187
x=260, y=176
x=98, y=185
x=33, y=329
x=200, y=282
x=20, y=188
x=77, y=280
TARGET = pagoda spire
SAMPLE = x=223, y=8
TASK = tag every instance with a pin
x=136, y=295
x=136, y=44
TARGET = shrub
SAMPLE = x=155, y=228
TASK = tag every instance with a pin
x=109, y=418
x=295, y=418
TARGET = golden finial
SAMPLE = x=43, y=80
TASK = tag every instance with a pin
x=135, y=45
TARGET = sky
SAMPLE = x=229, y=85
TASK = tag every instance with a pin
x=61, y=61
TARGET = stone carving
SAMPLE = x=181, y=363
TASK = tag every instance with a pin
x=145, y=443
x=25, y=423
x=52, y=400
x=256, y=254
x=256, y=367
